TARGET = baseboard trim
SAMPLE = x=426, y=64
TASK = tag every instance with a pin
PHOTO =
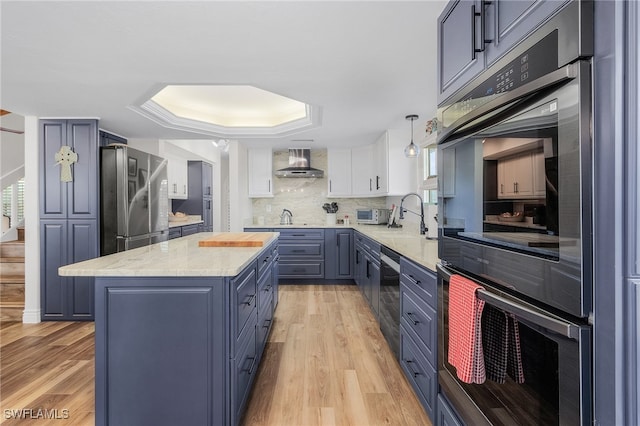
x=31, y=316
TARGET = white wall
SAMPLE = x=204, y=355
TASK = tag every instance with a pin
x=11, y=150
x=239, y=201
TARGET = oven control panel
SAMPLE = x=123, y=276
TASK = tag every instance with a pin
x=535, y=62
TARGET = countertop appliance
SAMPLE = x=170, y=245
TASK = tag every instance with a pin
x=389, y=308
x=372, y=216
x=134, y=199
x=286, y=218
x=521, y=133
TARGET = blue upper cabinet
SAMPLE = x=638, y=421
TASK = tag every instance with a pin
x=78, y=198
x=474, y=34
x=458, y=60
x=508, y=22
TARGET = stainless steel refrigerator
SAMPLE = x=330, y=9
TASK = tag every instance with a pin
x=134, y=203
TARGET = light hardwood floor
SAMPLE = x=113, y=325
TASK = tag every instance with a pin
x=326, y=363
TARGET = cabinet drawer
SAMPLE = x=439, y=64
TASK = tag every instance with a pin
x=265, y=260
x=302, y=234
x=420, y=319
x=302, y=249
x=421, y=281
x=265, y=319
x=313, y=269
x=246, y=365
x=245, y=297
x=420, y=373
x=175, y=233
x=265, y=288
x=189, y=230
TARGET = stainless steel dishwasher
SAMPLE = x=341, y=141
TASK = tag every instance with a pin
x=389, y=310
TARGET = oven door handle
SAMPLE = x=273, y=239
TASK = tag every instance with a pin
x=568, y=72
x=541, y=319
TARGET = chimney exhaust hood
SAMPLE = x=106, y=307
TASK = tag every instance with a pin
x=299, y=165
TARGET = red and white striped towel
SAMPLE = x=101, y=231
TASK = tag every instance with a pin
x=465, y=336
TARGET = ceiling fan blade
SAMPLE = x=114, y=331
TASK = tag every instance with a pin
x=4, y=112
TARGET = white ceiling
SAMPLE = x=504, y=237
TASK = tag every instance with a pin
x=366, y=64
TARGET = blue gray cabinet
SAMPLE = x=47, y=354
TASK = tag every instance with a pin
x=180, y=350
x=190, y=229
x=302, y=253
x=69, y=223
x=175, y=232
x=199, y=202
x=418, y=331
x=458, y=61
x=77, y=199
x=368, y=274
x=473, y=34
x=509, y=22
x=339, y=253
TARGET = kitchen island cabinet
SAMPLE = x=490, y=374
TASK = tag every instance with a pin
x=177, y=333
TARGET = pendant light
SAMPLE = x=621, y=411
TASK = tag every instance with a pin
x=412, y=150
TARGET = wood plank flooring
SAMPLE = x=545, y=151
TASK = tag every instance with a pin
x=49, y=367
x=326, y=363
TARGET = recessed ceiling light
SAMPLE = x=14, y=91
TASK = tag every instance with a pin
x=229, y=110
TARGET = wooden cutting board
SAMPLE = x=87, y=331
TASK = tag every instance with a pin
x=236, y=239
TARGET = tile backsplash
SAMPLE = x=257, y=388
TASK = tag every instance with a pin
x=304, y=197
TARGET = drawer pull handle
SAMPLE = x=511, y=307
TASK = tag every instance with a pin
x=297, y=251
x=298, y=235
x=412, y=318
x=267, y=323
x=414, y=279
x=409, y=362
x=253, y=364
x=251, y=299
x=267, y=288
x=299, y=271
x=266, y=259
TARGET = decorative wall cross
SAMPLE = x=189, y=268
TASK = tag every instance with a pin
x=65, y=158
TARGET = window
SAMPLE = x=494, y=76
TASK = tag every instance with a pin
x=7, y=195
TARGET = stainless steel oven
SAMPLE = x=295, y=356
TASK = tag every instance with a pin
x=530, y=146
x=515, y=216
x=554, y=387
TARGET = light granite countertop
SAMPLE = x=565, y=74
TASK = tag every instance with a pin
x=180, y=257
x=411, y=245
x=190, y=220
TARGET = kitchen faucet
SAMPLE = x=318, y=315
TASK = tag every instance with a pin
x=423, y=228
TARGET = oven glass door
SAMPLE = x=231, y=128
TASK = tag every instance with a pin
x=548, y=386
x=514, y=197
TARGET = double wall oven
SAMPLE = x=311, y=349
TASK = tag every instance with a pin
x=515, y=209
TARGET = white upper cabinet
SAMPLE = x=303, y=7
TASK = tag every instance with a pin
x=374, y=170
x=260, y=168
x=177, y=176
x=339, y=173
x=401, y=171
x=521, y=175
x=381, y=165
x=362, y=171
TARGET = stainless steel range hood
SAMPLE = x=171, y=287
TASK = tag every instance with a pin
x=299, y=165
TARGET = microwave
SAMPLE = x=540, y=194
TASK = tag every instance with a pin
x=372, y=216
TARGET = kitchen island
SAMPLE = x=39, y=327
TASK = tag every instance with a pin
x=180, y=330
